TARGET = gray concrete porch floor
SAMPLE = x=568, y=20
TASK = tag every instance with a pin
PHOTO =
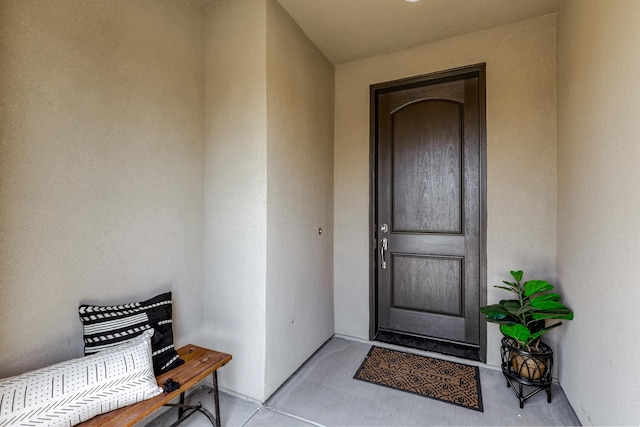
x=323, y=393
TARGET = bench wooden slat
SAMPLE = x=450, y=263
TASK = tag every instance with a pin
x=198, y=363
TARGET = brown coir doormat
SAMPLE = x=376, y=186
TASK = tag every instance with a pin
x=438, y=379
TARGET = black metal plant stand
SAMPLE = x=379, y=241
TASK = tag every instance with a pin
x=524, y=368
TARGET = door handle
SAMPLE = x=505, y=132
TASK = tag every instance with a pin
x=384, y=246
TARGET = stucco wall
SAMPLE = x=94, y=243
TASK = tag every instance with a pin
x=521, y=158
x=235, y=213
x=300, y=198
x=598, y=208
x=268, y=188
x=101, y=167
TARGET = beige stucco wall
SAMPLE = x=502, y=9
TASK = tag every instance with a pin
x=101, y=146
x=268, y=188
x=599, y=207
x=521, y=158
x=300, y=102
x=236, y=190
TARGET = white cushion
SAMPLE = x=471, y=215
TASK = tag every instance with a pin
x=74, y=391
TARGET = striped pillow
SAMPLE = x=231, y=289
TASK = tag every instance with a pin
x=106, y=326
x=74, y=391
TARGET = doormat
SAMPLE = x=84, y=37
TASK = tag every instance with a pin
x=442, y=380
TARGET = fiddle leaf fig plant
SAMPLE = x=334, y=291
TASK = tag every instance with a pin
x=523, y=319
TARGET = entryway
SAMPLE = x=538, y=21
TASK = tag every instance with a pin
x=323, y=393
x=428, y=204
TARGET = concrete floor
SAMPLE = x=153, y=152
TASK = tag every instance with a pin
x=324, y=393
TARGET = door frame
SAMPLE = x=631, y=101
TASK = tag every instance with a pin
x=476, y=70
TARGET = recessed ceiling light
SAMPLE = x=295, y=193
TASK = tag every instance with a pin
x=412, y=1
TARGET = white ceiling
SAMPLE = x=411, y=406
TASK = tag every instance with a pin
x=348, y=30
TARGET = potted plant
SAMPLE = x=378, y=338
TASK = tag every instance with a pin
x=525, y=358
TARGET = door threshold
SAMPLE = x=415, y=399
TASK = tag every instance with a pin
x=438, y=346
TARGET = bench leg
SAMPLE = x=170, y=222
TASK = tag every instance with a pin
x=190, y=410
x=181, y=408
x=216, y=398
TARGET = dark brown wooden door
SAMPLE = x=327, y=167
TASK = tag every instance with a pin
x=429, y=221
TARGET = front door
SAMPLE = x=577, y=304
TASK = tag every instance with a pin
x=428, y=212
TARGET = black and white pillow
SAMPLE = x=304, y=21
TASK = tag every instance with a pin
x=107, y=326
x=68, y=393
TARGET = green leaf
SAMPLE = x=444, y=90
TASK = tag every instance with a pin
x=518, y=332
x=517, y=275
x=547, y=297
x=546, y=305
x=535, y=286
x=556, y=314
x=495, y=311
x=536, y=335
x=513, y=307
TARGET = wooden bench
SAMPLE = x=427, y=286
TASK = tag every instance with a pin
x=198, y=363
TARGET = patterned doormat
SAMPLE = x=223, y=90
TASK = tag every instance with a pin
x=437, y=379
